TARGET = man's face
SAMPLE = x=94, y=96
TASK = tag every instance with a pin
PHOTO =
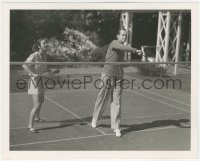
x=122, y=36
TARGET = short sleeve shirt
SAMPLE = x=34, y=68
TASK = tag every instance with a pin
x=37, y=68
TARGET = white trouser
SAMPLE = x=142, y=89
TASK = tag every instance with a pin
x=110, y=88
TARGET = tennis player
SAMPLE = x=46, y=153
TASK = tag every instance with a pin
x=111, y=82
x=35, y=86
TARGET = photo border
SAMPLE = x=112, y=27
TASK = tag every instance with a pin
x=192, y=154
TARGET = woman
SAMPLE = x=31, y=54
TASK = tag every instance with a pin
x=37, y=72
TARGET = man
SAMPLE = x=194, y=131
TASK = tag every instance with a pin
x=111, y=82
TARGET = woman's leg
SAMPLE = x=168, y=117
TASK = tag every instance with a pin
x=36, y=106
x=41, y=100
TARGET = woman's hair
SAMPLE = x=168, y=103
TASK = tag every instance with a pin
x=36, y=44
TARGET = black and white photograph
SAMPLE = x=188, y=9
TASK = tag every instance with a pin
x=87, y=78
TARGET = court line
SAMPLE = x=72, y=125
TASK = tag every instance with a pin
x=51, y=141
x=162, y=95
x=153, y=116
x=140, y=89
x=37, y=126
x=154, y=129
x=86, y=137
x=73, y=114
x=133, y=118
x=183, y=103
x=96, y=89
x=47, y=92
x=71, y=91
x=159, y=101
x=135, y=88
x=104, y=120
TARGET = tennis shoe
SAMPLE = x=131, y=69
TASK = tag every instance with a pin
x=94, y=123
x=118, y=132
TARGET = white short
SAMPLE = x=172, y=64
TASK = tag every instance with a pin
x=35, y=86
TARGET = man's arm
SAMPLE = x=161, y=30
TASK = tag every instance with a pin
x=116, y=45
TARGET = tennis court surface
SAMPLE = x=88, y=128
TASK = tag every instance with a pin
x=151, y=118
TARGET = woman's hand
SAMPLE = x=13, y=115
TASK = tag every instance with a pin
x=55, y=71
x=35, y=75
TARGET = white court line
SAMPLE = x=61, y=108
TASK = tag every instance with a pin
x=71, y=91
x=153, y=116
x=52, y=141
x=86, y=137
x=162, y=95
x=43, y=125
x=82, y=90
x=183, y=103
x=160, y=128
x=160, y=101
x=16, y=128
x=154, y=129
x=73, y=114
x=133, y=118
x=49, y=91
x=140, y=89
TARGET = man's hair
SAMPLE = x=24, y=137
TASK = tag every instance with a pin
x=121, y=28
x=36, y=44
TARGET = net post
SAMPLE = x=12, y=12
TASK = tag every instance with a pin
x=167, y=37
x=178, y=41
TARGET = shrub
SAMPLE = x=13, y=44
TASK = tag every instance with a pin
x=76, y=46
x=156, y=70
x=98, y=55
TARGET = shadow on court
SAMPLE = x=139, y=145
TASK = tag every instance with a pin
x=158, y=123
x=69, y=122
x=66, y=127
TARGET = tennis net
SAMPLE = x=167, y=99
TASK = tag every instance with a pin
x=85, y=75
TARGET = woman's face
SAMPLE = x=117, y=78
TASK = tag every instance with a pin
x=43, y=45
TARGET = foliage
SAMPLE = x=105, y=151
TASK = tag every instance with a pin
x=105, y=23
x=100, y=26
x=75, y=46
x=98, y=55
x=156, y=70
x=26, y=26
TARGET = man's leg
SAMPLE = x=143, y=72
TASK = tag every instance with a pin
x=101, y=100
x=116, y=108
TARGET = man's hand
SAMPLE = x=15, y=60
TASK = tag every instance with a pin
x=139, y=52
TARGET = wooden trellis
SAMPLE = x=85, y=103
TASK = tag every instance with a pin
x=168, y=37
x=126, y=18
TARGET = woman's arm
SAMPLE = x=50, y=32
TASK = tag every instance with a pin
x=27, y=67
x=28, y=70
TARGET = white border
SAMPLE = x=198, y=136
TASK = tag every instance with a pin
x=100, y=154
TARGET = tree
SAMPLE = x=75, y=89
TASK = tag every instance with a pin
x=26, y=26
x=104, y=23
